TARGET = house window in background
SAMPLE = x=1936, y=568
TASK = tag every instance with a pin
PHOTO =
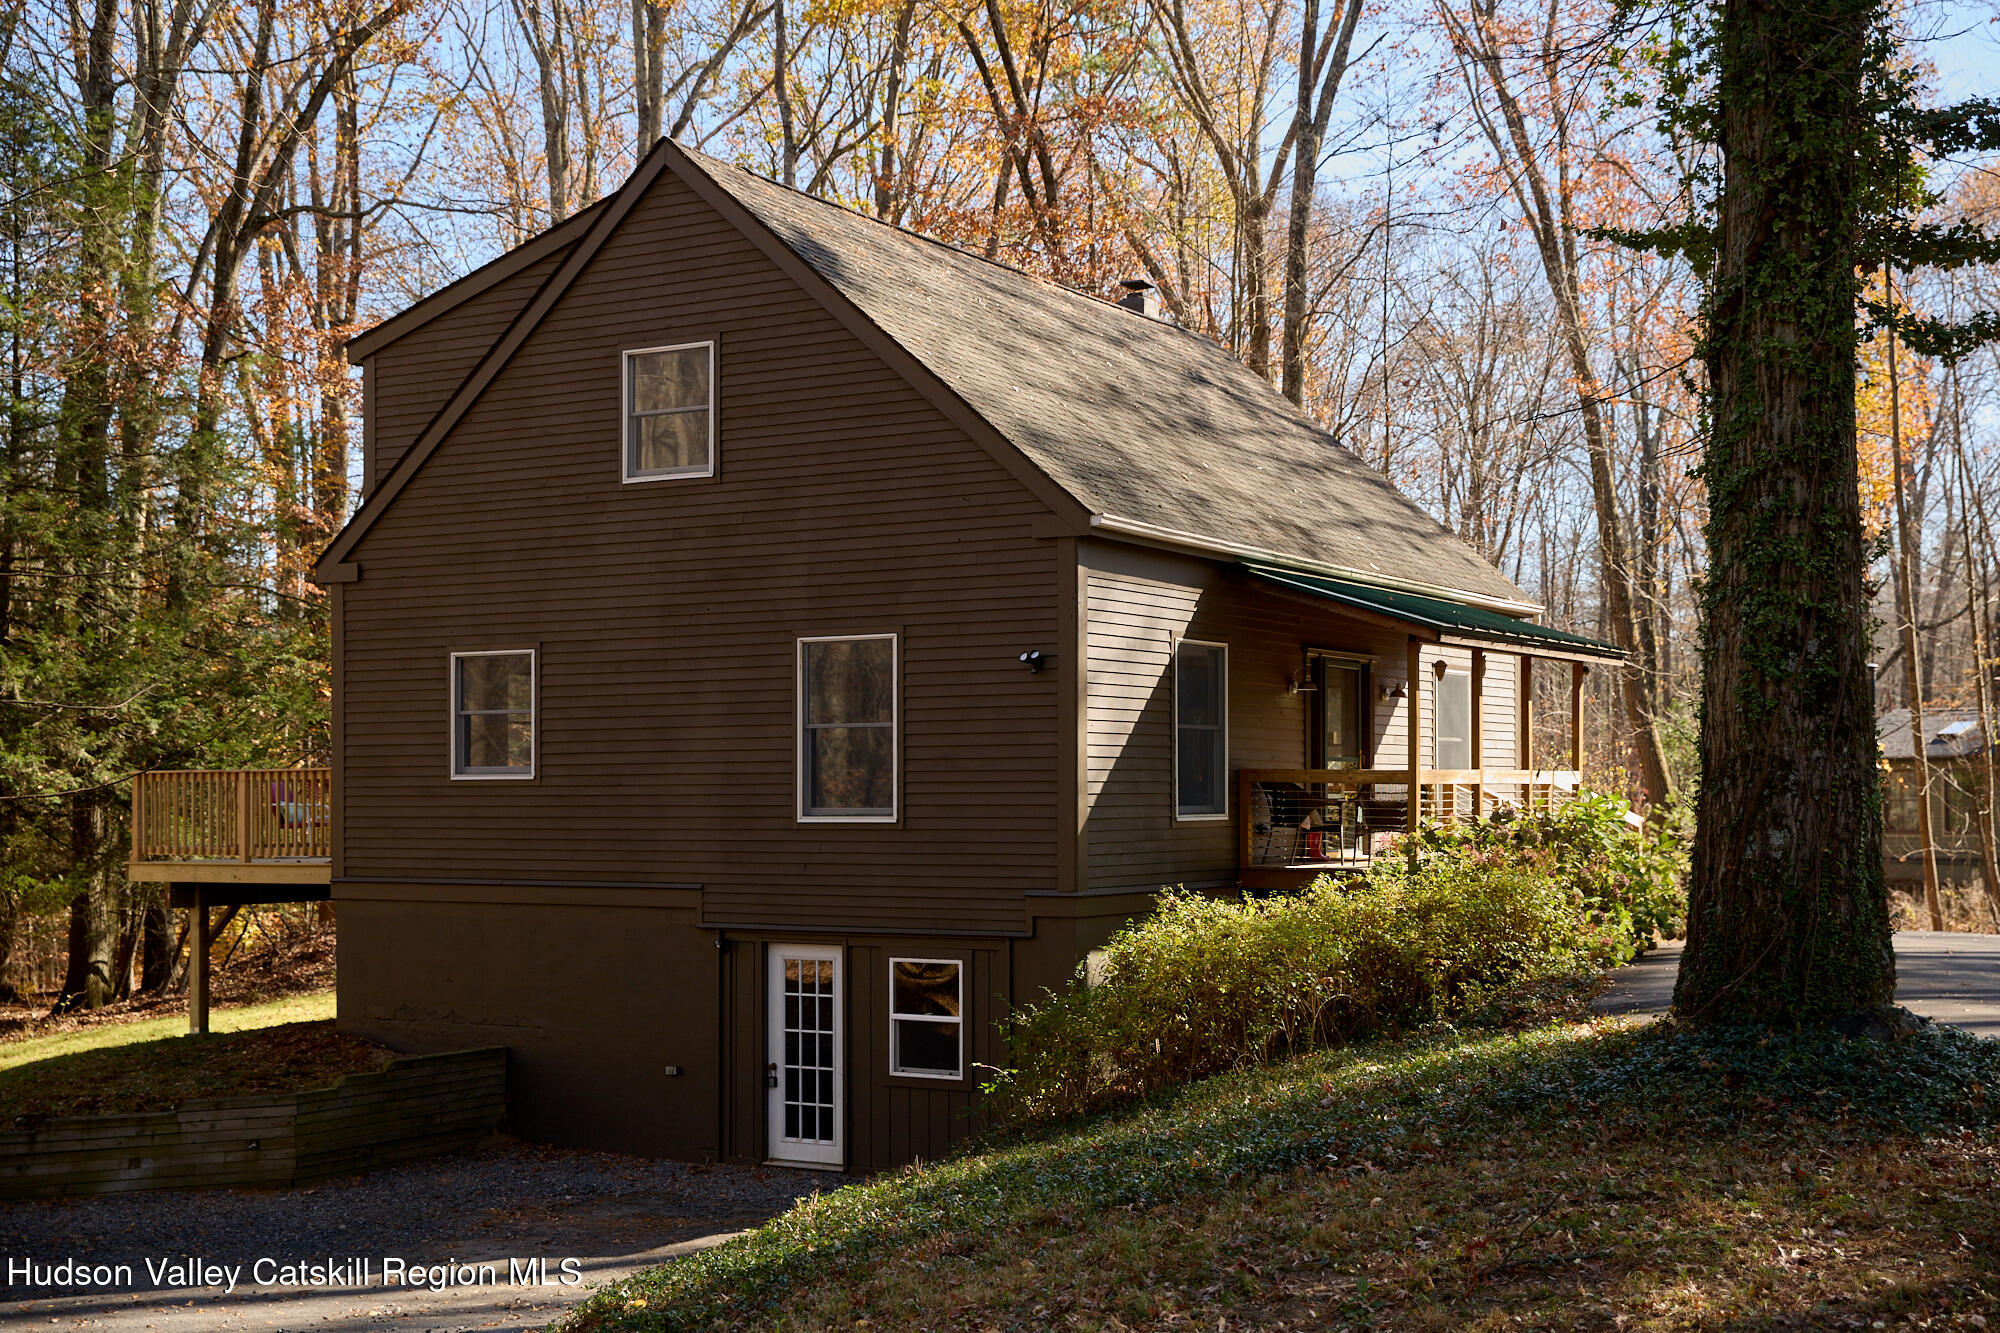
x=1453, y=720
x=493, y=714
x=1201, y=730
x=847, y=729
x=1899, y=814
x=1961, y=800
x=670, y=412
x=926, y=1018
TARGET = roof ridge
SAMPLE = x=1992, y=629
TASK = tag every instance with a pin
x=1097, y=303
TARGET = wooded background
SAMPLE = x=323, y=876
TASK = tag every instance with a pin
x=1392, y=209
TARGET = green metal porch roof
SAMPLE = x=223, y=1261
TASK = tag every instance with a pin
x=1453, y=619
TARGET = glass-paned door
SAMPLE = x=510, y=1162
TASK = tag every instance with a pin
x=1337, y=718
x=803, y=1070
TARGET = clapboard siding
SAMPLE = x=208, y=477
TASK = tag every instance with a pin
x=1138, y=605
x=666, y=613
x=409, y=383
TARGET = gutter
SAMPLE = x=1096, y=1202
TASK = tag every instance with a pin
x=1126, y=527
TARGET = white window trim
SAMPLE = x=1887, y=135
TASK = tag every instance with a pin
x=957, y=1075
x=534, y=719
x=626, y=417
x=803, y=762
x=1437, y=710
x=1223, y=814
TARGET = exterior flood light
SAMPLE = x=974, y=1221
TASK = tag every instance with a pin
x=1033, y=659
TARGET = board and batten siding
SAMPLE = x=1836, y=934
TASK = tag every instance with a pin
x=1137, y=605
x=666, y=614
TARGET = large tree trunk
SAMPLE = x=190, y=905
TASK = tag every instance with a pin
x=1788, y=918
x=88, y=982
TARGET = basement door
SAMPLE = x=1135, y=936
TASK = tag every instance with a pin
x=803, y=1073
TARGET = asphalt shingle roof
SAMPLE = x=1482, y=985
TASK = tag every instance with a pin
x=1135, y=418
x=1949, y=733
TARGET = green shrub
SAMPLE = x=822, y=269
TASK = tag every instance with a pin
x=1204, y=986
x=1630, y=880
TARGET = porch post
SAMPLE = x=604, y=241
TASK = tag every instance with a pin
x=1577, y=671
x=1416, y=727
x=1527, y=755
x=198, y=963
x=1479, y=731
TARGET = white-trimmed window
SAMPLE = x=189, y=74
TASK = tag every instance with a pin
x=670, y=412
x=847, y=729
x=493, y=714
x=926, y=1017
x=1201, y=730
x=1451, y=722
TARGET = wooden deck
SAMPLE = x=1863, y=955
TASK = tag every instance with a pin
x=1296, y=824
x=245, y=826
x=230, y=837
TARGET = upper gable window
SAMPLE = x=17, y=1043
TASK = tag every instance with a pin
x=670, y=412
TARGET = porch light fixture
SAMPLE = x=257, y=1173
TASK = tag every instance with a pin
x=1392, y=689
x=1301, y=683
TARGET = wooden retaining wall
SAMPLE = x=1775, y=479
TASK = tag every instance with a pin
x=419, y=1105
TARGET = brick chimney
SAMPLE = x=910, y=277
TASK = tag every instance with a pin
x=1141, y=296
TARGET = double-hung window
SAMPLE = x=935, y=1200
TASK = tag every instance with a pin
x=847, y=729
x=670, y=412
x=926, y=1018
x=493, y=714
x=1201, y=730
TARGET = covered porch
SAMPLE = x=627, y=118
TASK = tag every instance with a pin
x=1295, y=824
x=231, y=838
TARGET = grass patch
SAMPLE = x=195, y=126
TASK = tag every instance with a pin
x=157, y=1075
x=1589, y=1176
x=24, y=1049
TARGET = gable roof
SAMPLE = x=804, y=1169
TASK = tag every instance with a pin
x=1152, y=431
x=1149, y=426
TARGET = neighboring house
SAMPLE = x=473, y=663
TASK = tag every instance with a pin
x=773, y=644
x=1955, y=745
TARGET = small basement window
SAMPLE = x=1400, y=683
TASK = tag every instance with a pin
x=493, y=714
x=1201, y=730
x=926, y=1018
x=670, y=412
x=847, y=729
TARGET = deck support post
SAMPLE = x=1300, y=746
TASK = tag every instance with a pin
x=198, y=942
x=1479, y=732
x=1577, y=671
x=1415, y=746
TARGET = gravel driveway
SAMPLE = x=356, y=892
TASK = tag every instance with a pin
x=512, y=1201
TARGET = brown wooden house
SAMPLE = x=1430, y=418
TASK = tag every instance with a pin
x=1955, y=748
x=774, y=643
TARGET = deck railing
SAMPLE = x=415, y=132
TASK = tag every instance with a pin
x=1325, y=817
x=233, y=814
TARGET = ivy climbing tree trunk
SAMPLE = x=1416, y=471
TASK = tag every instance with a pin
x=1788, y=916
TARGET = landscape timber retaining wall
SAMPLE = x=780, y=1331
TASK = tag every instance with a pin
x=419, y=1105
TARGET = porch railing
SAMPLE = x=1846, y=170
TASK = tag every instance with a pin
x=233, y=814
x=1330, y=817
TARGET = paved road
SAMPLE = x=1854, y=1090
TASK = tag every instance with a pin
x=513, y=1201
x=1951, y=977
